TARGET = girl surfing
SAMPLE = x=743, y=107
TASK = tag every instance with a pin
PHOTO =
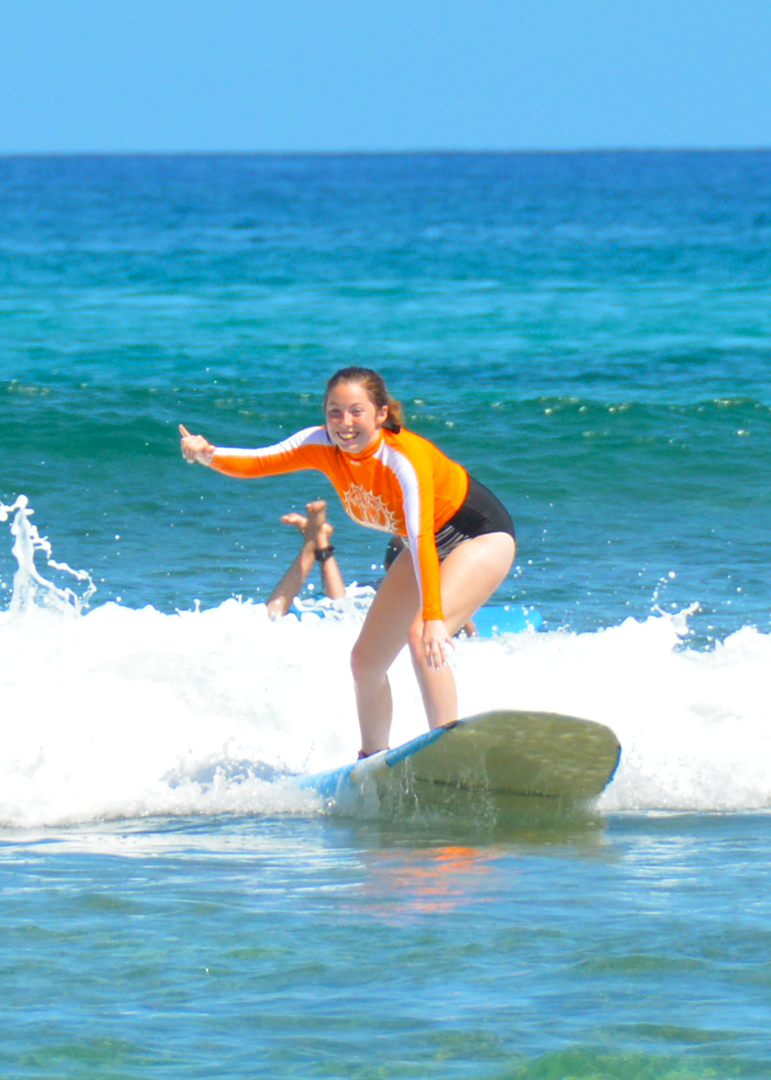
x=460, y=537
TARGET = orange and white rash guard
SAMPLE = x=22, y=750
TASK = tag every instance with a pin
x=401, y=484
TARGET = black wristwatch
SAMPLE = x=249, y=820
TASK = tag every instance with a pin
x=322, y=554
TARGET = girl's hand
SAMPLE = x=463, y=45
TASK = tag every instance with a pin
x=196, y=447
x=435, y=642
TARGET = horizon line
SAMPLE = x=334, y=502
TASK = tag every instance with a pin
x=447, y=151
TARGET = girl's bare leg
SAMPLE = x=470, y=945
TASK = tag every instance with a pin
x=382, y=637
x=470, y=575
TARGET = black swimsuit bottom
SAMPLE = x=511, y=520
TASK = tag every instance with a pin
x=481, y=513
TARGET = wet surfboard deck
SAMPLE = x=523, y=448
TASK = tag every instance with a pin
x=502, y=755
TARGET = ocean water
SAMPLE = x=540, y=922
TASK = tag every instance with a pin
x=590, y=335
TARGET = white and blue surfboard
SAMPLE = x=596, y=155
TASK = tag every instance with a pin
x=501, y=756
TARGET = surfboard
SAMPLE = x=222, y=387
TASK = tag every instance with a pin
x=500, y=756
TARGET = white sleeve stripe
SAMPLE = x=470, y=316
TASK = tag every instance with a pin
x=312, y=436
x=405, y=472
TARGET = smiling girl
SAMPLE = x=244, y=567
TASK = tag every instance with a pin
x=460, y=537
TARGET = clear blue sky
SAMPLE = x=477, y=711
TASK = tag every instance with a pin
x=243, y=75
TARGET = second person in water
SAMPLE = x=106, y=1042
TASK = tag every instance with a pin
x=460, y=537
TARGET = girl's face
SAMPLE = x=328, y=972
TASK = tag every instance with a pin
x=353, y=419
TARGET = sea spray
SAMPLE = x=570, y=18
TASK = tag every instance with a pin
x=29, y=586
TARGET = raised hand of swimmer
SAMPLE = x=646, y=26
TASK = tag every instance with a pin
x=195, y=447
x=435, y=642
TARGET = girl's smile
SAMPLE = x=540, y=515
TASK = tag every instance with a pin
x=353, y=420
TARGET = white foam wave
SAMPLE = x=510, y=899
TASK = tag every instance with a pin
x=117, y=712
x=124, y=712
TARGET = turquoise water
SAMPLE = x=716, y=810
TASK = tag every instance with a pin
x=284, y=948
x=589, y=335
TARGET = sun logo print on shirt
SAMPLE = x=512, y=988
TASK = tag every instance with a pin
x=368, y=509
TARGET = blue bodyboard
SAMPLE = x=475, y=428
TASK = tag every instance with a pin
x=506, y=619
x=490, y=621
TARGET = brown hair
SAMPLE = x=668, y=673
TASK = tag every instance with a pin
x=375, y=386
